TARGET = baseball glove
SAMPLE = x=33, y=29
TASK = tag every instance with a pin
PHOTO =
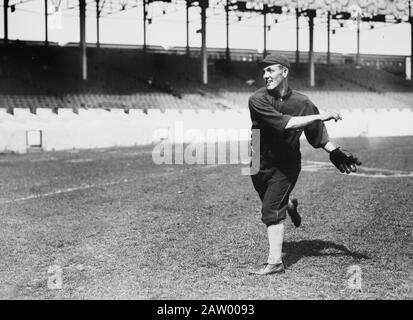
x=344, y=161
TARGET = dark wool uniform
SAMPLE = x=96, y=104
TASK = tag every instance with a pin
x=280, y=157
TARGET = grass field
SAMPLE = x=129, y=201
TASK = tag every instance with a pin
x=121, y=227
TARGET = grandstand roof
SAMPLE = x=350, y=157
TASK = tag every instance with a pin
x=363, y=10
x=398, y=8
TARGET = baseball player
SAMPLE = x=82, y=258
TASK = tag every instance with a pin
x=282, y=114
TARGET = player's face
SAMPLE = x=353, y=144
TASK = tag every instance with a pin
x=274, y=75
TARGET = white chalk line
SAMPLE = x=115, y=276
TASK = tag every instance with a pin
x=398, y=175
x=80, y=160
x=67, y=190
x=97, y=185
x=84, y=187
x=315, y=166
x=137, y=153
x=310, y=166
x=45, y=159
x=323, y=163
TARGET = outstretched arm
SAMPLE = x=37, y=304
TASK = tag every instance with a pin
x=304, y=121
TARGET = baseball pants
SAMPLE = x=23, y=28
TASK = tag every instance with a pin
x=274, y=187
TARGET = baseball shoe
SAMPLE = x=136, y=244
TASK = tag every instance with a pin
x=268, y=268
x=294, y=215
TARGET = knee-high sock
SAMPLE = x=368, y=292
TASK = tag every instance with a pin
x=275, y=240
x=290, y=205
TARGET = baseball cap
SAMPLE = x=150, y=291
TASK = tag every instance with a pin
x=274, y=58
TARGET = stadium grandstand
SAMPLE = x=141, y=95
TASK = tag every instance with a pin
x=44, y=74
x=34, y=76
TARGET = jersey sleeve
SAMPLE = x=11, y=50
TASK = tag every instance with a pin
x=263, y=112
x=316, y=133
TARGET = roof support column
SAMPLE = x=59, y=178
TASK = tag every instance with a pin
x=188, y=4
x=227, y=53
x=311, y=15
x=358, y=39
x=328, y=36
x=411, y=41
x=97, y=24
x=204, y=53
x=82, y=15
x=144, y=25
x=264, y=12
x=6, y=24
x=46, y=27
x=297, y=51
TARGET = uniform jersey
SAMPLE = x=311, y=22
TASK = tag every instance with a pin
x=270, y=113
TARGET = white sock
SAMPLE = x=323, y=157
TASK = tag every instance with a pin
x=290, y=205
x=275, y=240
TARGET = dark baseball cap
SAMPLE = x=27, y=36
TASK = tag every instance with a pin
x=274, y=58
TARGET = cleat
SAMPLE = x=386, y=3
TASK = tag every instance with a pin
x=268, y=268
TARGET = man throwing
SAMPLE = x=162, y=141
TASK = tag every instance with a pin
x=281, y=115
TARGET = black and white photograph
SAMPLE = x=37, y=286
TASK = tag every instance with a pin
x=220, y=152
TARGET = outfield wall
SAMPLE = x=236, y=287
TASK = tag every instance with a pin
x=99, y=128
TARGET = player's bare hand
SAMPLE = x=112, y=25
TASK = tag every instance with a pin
x=332, y=116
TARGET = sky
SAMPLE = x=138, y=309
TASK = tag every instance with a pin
x=167, y=30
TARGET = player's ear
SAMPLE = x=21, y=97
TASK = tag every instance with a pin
x=285, y=72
